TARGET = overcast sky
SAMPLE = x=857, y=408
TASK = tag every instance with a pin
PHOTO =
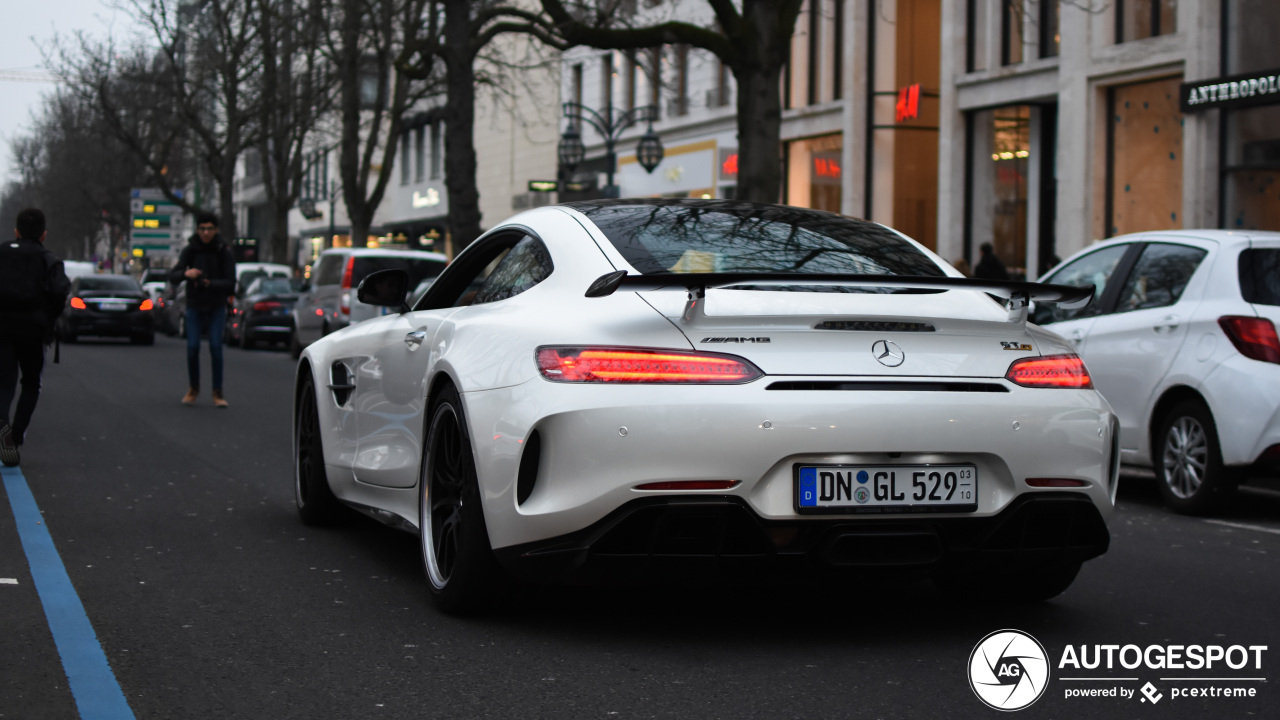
x=30, y=26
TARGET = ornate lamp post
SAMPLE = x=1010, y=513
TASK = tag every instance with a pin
x=610, y=126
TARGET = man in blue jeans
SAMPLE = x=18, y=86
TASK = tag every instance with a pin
x=208, y=268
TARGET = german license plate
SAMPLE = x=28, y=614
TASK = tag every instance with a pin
x=113, y=307
x=886, y=488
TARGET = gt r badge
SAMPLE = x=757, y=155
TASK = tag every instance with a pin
x=887, y=353
x=1014, y=346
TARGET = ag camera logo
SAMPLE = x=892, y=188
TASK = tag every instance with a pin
x=1008, y=670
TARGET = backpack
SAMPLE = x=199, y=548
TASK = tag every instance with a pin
x=22, y=276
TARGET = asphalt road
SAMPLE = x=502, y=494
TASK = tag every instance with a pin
x=177, y=529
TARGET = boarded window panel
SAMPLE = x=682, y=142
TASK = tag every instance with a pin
x=1146, y=135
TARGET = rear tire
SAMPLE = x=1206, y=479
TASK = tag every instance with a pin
x=316, y=502
x=1188, y=461
x=462, y=573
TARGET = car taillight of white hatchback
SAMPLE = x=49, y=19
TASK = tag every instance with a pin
x=1254, y=337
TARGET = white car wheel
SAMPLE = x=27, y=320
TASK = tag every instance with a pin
x=1189, y=461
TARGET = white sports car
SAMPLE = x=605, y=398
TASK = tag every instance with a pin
x=639, y=388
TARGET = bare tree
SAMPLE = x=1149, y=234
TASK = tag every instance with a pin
x=294, y=95
x=72, y=167
x=754, y=43
x=199, y=62
x=367, y=42
x=462, y=30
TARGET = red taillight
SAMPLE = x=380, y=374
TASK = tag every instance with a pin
x=265, y=305
x=1056, y=482
x=1051, y=371
x=689, y=485
x=319, y=312
x=78, y=304
x=146, y=305
x=626, y=365
x=1254, y=337
x=344, y=304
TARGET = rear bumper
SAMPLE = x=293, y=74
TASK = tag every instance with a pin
x=720, y=537
x=109, y=325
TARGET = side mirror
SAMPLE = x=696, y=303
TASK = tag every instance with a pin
x=384, y=288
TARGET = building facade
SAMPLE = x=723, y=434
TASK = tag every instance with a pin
x=1036, y=125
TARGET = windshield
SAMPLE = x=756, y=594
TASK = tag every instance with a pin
x=109, y=282
x=272, y=285
x=674, y=236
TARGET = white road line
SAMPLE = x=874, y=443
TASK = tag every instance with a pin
x=8, y=581
x=1243, y=526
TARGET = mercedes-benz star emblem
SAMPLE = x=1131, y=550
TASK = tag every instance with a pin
x=887, y=353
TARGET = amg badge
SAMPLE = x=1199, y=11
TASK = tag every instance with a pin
x=735, y=340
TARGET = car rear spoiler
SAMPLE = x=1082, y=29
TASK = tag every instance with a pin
x=1017, y=294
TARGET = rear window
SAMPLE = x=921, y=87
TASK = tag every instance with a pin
x=101, y=282
x=1260, y=276
x=659, y=237
x=419, y=269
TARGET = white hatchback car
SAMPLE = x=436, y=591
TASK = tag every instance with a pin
x=1181, y=340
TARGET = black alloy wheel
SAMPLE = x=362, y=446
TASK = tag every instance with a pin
x=462, y=572
x=1188, y=461
x=316, y=503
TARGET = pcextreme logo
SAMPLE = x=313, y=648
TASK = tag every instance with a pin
x=1008, y=670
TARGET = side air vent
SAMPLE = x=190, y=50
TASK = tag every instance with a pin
x=341, y=383
x=528, y=475
x=873, y=326
x=878, y=386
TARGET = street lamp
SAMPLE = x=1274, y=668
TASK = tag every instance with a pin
x=610, y=126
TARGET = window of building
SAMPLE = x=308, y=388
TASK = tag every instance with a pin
x=1144, y=157
x=575, y=90
x=437, y=148
x=976, y=35
x=607, y=76
x=655, y=80
x=1050, y=28
x=404, y=157
x=680, y=105
x=419, y=154
x=1138, y=19
x=837, y=50
x=724, y=77
x=814, y=172
x=999, y=182
x=1011, y=32
x=629, y=79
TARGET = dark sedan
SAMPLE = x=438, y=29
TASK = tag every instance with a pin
x=262, y=313
x=108, y=306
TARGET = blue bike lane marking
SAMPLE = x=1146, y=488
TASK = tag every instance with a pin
x=93, y=685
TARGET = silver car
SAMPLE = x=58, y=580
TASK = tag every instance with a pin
x=328, y=302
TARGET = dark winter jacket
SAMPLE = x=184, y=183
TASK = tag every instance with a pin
x=990, y=268
x=33, y=290
x=218, y=265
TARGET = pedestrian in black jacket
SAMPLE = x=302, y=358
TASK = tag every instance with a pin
x=33, y=291
x=208, y=268
x=989, y=266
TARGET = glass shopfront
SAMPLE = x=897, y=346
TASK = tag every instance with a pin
x=814, y=172
x=1250, y=188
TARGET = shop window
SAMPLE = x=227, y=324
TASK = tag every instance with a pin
x=1144, y=149
x=1252, y=171
x=814, y=171
x=1138, y=19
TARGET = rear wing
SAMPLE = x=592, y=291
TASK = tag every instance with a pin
x=1017, y=294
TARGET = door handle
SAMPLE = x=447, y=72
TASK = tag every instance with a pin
x=415, y=338
x=1168, y=324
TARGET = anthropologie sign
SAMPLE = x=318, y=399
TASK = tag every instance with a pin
x=1235, y=91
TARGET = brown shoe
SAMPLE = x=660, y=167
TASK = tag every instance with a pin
x=218, y=400
x=190, y=397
